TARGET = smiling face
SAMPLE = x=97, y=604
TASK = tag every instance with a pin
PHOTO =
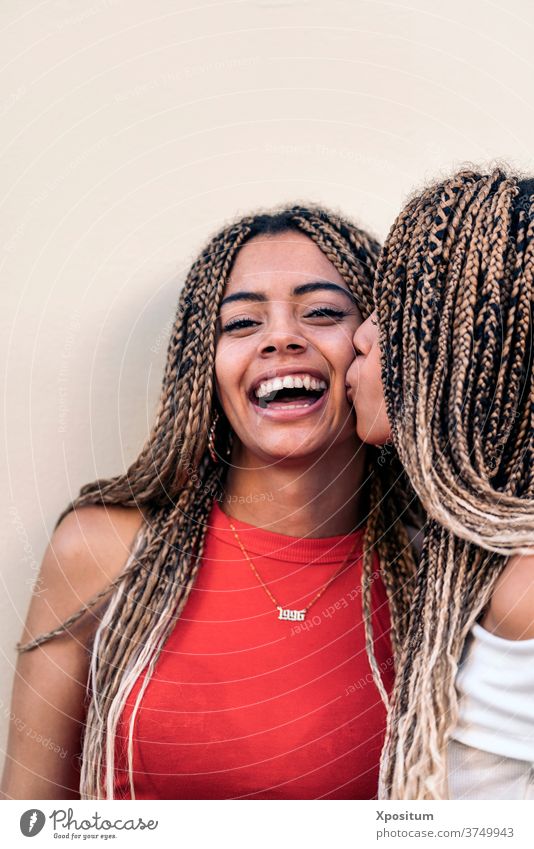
x=364, y=382
x=284, y=343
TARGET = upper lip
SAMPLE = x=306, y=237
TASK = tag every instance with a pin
x=271, y=373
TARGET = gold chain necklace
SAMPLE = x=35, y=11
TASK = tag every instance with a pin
x=286, y=613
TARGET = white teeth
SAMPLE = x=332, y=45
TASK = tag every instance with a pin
x=292, y=406
x=289, y=381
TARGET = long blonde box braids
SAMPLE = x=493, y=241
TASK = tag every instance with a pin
x=454, y=291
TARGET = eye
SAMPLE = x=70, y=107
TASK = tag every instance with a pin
x=327, y=312
x=238, y=324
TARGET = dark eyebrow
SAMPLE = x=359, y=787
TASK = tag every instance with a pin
x=244, y=296
x=303, y=289
x=322, y=284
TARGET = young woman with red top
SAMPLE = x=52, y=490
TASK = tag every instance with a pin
x=221, y=648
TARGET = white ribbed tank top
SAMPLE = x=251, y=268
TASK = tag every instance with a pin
x=491, y=754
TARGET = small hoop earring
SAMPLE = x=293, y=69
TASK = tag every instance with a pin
x=211, y=438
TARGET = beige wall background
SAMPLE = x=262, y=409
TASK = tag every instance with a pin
x=131, y=129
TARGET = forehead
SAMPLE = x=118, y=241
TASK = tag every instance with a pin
x=285, y=259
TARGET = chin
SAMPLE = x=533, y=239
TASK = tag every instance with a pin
x=293, y=448
x=372, y=436
x=288, y=452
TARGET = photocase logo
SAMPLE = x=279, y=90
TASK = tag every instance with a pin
x=31, y=822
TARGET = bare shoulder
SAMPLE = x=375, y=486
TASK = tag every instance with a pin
x=86, y=552
x=101, y=535
x=511, y=610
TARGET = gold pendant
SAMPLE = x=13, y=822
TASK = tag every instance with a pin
x=293, y=615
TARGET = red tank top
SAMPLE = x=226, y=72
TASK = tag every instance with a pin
x=243, y=705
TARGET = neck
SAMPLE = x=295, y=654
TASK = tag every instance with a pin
x=313, y=497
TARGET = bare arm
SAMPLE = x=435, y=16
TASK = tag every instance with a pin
x=510, y=613
x=48, y=708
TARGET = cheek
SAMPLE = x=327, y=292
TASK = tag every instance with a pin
x=231, y=362
x=376, y=408
x=338, y=351
x=368, y=389
x=371, y=413
x=375, y=372
x=224, y=371
x=220, y=367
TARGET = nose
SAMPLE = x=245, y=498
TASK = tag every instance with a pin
x=365, y=336
x=358, y=351
x=358, y=342
x=282, y=342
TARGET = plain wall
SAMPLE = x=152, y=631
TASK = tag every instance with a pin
x=132, y=129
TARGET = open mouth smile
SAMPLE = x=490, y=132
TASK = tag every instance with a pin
x=294, y=394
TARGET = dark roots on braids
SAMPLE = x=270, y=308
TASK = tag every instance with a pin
x=154, y=585
x=454, y=292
